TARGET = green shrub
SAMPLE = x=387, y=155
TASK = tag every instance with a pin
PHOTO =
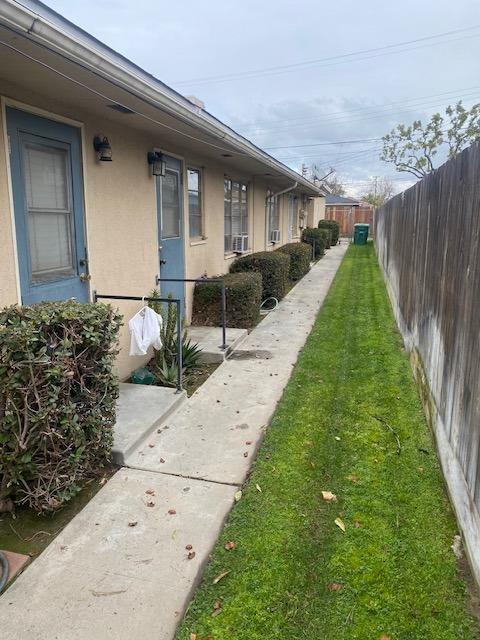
x=327, y=236
x=273, y=267
x=57, y=399
x=334, y=227
x=243, y=293
x=300, y=255
x=316, y=238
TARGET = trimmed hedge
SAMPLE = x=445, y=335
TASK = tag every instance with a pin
x=327, y=236
x=57, y=399
x=300, y=255
x=315, y=237
x=244, y=296
x=273, y=267
x=334, y=227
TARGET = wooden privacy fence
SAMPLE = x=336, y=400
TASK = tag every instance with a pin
x=427, y=242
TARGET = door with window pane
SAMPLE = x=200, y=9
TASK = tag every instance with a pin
x=170, y=229
x=49, y=213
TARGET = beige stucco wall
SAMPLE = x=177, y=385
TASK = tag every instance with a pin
x=121, y=214
x=315, y=211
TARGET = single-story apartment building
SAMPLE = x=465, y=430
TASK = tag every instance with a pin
x=348, y=212
x=109, y=178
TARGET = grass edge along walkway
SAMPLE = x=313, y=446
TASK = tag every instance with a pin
x=292, y=572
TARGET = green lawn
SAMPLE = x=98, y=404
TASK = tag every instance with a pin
x=293, y=573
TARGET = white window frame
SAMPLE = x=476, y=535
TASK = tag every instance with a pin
x=272, y=213
x=228, y=211
x=200, y=236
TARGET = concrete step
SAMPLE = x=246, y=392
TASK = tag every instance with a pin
x=140, y=410
x=210, y=341
x=120, y=570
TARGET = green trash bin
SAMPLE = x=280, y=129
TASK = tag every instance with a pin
x=360, y=233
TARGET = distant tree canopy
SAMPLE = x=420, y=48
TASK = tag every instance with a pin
x=379, y=191
x=412, y=148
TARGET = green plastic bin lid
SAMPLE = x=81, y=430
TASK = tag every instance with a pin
x=362, y=225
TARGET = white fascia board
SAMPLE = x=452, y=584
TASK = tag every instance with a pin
x=78, y=46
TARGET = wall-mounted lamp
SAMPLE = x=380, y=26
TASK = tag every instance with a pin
x=157, y=162
x=103, y=149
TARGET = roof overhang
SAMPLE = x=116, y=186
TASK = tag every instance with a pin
x=38, y=24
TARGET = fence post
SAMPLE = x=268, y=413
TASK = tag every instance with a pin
x=179, y=347
x=224, y=316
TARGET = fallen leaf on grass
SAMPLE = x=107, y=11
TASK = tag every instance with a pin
x=328, y=496
x=353, y=478
x=258, y=488
x=384, y=637
x=335, y=586
x=238, y=495
x=229, y=545
x=193, y=636
x=217, y=608
x=133, y=524
x=337, y=438
x=220, y=577
x=340, y=524
x=358, y=524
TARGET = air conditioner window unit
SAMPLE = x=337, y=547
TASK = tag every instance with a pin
x=275, y=236
x=240, y=244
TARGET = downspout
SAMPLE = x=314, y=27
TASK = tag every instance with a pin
x=272, y=197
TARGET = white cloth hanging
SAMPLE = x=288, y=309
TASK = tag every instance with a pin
x=145, y=331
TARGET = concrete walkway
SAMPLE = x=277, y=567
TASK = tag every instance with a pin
x=126, y=566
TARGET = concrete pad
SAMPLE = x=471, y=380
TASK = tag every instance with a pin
x=210, y=340
x=140, y=410
x=207, y=437
x=106, y=580
x=16, y=563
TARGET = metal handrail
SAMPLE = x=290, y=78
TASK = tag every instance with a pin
x=224, y=344
x=174, y=301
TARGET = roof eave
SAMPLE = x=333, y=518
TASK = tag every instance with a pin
x=76, y=45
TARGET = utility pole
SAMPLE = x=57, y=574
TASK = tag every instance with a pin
x=375, y=186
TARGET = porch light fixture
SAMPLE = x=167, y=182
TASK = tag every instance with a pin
x=103, y=149
x=157, y=162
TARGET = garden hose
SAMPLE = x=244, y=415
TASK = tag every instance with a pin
x=3, y=571
x=263, y=310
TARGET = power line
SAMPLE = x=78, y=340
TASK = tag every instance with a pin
x=346, y=57
x=321, y=144
x=373, y=110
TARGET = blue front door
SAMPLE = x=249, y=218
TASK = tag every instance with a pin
x=47, y=182
x=171, y=229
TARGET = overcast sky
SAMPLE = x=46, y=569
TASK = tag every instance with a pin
x=204, y=48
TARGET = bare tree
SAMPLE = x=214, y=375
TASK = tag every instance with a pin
x=379, y=191
x=413, y=148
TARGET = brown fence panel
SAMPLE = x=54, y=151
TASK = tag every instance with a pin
x=427, y=242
